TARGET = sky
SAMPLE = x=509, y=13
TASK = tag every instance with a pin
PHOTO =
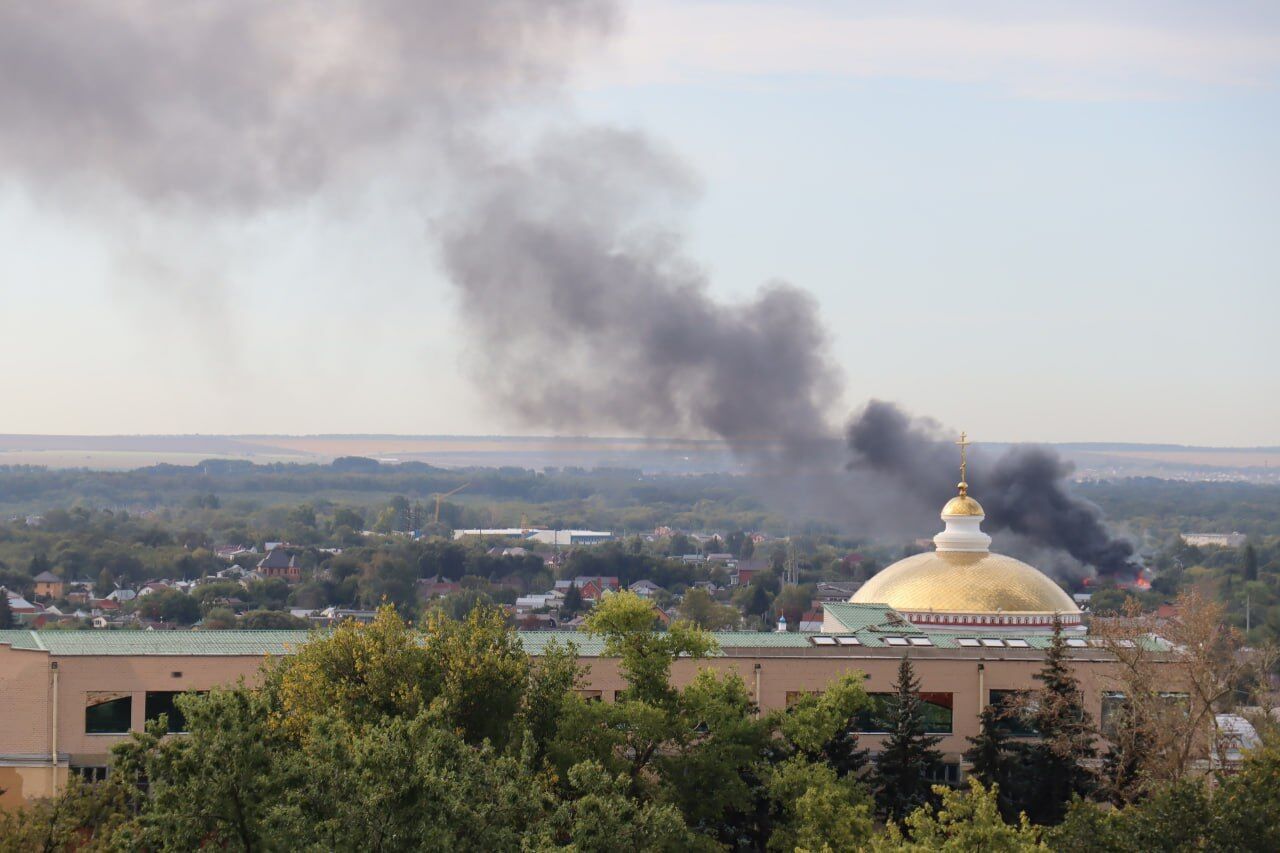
x=1037, y=222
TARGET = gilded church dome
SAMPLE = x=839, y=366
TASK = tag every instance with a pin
x=966, y=583
x=961, y=582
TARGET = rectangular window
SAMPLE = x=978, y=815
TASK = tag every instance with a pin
x=946, y=773
x=1017, y=644
x=108, y=713
x=896, y=641
x=848, y=641
x=1112, y=708
x=1077, y=642
x=968, y=642
x=90, y=774
x=794, y=696
x=591, y=695
x=993, y=642
x=936, y=708
x=161, y=702
x=1016, y=720
x=823, y=641
x=920, y=641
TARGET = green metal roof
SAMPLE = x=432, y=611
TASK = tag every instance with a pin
x=860, y=617
x=138, y=642
x=257, y=643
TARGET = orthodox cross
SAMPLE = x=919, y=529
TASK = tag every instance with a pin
x=963, y=444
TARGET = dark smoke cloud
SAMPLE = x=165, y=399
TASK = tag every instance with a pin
x=567, y=270
x=240, y=104
x=582, y=305
x=1024, y=490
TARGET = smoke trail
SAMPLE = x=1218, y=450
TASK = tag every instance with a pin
x=584, y=309
x=1024, y=490
x=238, y=105
x=567, y=268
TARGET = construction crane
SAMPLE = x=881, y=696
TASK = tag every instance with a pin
x=440, y=497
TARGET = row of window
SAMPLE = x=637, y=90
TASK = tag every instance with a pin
x=938, y=711
x=112, y=713
x=964, y=642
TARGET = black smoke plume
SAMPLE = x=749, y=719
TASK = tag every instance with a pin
x=583, y=309
x=1023, y=490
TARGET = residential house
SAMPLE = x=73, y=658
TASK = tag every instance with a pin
x=22, y=610
x=590, y=587
x=334, y=615
x=645, y=588
x=49, y=585
x=835, y=591
x=811, y=621
x=436, y=587
x=280, y=564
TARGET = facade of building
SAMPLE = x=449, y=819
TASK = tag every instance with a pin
x=280, y=564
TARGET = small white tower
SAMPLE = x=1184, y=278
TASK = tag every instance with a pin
x=782, y=625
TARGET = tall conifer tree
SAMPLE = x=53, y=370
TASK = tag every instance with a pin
x=994, y=759
x=1055, y=766
x=909, y=754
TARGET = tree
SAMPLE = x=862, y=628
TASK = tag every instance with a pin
x=1199, y=653
x=105, y=585
x=1056, y=763
x=219, y=619
x=792, y=602
x=909, y=754
x=83, y=817
x=599, y=815
x=272, y=620
x=6, y=612
x=994, y=760
x=819, y=809
x=626, y=622
x=572, y=604
x=753, y=599
x=170, y=605
x=967, y=820
x=1250, y=563
x=699, y=608
x=216, y=785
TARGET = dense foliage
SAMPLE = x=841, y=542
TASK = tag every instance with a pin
x=386, y=737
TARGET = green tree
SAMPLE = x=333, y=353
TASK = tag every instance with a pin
x=170, y=605
x=994, y=760
x=83, y=817
x=106, y=583
x=219, y=619
x=903, y=766
x=6, y=612
x=572, y=604
x=599, y=815
x=626, y=623
x=819, y=810
x=1250, y=563
x=216, y=785
x=966, y=820
x=1056, y=766
x=699, y=608
x=271, y=620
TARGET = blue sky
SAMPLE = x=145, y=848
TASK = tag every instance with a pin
x=1033, y=221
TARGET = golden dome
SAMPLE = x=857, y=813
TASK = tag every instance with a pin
x=965, y=582
x=963, y=505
